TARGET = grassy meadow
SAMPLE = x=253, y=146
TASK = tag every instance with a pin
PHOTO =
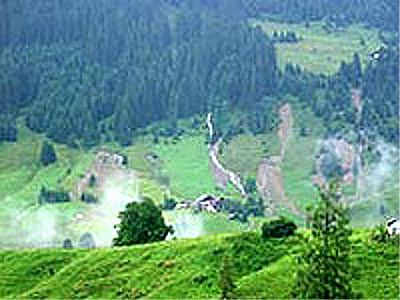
x=320, y=50
x=186, y=268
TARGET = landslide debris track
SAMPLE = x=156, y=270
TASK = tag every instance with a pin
x=116, y=186
x=270, y=182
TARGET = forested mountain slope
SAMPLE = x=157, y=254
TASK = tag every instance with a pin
x=97, y=71
x=139, y=78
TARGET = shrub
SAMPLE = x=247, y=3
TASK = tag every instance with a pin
x=67, y=244
x=278, y=228
x=48, y=196
x=89, y=198
x=87, y=241
x=250, y=186
x=380, y=234
x=169, y=204
x=48, y=155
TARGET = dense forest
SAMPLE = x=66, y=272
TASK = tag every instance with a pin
x=88, y=71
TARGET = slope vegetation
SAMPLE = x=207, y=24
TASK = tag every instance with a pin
x=185, y=269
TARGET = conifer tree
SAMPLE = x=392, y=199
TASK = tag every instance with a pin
x=226, y=283
x=324, y=267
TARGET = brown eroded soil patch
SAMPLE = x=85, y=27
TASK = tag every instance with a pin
x=270, y=183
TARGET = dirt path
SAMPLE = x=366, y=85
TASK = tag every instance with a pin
x=221, y=175
x=285, y=128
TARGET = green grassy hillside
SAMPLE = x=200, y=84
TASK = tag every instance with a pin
x=184, y=164
x=322, y=50
x=21, y=178
x=185, y=269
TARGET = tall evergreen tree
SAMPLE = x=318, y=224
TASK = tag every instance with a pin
x=357, y=70
x=225, y=282
x=324, y=270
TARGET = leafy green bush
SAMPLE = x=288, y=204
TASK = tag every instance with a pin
x=48, y=155
x=169, y=204
x=87, y=241
x=379, y=234
x=67, y=244
x=141, y=223
x=49, y=196
x=89, y=198
x=278, y=228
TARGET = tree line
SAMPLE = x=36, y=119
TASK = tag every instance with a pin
x=381, y=14
x=86, y=72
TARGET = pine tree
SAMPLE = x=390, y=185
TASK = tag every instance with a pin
x=48, y=155
x=357, y=70
x=226, y=283
x=324, y=267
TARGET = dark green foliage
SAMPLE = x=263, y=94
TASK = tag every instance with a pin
x=250, y=186
x=49, y=196
x=48, y=155
x=141, y=223
x=235, y=209
x=303, y=131
x=92, y=181
x=357, y=71
x=125, y=160
x=67, y=244
x=381, y=95
x=89, y=198
x=225, y=282
x=324, y=265
x=241, y=211
x=380, y=234
x=331, y=165
x=87, y=241
x=382, y=14
x=130, y=63
x=279, y=228
x=103, y=70
x=330, y=97
x=285, y=37
x=254, y=206
x=8, y=128
x=169, y=204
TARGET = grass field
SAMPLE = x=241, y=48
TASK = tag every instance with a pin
x=187, y=165
x=321, y=51
x=244, y=152
x=185, y=269
x=184, y=163
x=21, y=174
